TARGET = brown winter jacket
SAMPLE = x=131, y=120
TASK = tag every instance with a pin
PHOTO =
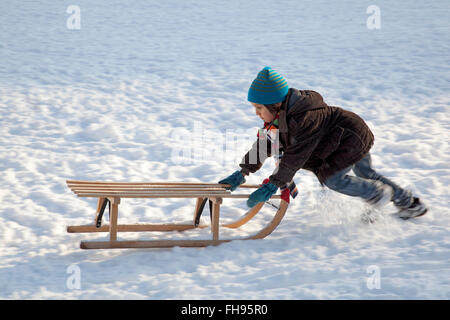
x=315, y=137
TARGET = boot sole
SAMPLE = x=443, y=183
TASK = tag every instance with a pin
x=419, y=215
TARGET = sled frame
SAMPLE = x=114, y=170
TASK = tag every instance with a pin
x=114, y=192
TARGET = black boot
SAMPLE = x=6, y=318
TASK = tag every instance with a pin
x=416, y=209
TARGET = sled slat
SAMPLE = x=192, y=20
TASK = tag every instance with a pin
x=149, y=244
x=132, y=228
x=166, y=195
x=172, y=184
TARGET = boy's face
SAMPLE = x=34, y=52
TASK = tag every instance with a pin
x=262, y=112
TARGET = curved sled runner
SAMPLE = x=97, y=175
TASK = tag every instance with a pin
x=111, y=193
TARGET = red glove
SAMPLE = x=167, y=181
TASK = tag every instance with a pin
x=285, y=195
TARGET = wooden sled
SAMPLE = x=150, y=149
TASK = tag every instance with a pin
x=113, y=192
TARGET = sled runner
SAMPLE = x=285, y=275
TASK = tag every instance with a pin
x=112, y=193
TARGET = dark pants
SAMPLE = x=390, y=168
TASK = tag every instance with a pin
x=362, y=185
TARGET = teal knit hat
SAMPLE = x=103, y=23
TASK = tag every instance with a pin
x=268, y=87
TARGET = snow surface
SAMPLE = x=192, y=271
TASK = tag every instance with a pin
x=119, y=99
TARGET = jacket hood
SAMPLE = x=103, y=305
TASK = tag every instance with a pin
x=303, y=100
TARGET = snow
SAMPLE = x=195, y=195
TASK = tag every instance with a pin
x=142, y=88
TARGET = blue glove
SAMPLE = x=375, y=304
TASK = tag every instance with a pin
x=262, y=194
x=236, y=179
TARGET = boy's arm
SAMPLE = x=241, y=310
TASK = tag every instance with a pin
x=255, y=157
x=296, y=155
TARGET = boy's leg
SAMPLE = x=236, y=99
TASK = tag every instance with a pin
x=401, y=198
x=352, y=186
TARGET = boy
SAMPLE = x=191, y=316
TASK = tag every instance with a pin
x=308, y=134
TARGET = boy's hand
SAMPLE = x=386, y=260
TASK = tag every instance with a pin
x=235, y=180
x=262, y=194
